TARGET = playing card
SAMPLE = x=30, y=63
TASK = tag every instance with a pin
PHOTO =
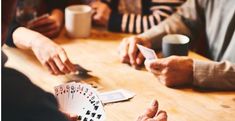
x=82, y=99
x=59, y=93
x=148, y=53
x=116, y=96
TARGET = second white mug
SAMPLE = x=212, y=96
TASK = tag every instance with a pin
x=78, y=20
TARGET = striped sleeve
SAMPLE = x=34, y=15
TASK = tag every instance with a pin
x=138, y=23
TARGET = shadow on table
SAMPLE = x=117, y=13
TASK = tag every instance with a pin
x=88, y=79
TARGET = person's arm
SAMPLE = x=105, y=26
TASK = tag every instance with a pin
x=47, y=52
x=138, y=23
x=215, y=75
x=187, y=20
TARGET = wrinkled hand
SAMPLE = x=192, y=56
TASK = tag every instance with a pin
x=172, y=71
x=152, y=113
x=129, y=52
x=102, y=13
x=53, y=57
x=49, y=26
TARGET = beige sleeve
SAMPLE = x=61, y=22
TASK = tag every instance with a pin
x=185, y=21
x=214, y=75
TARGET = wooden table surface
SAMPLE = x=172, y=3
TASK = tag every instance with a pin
x=98, y=53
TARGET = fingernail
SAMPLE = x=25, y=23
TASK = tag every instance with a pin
x=154, y=103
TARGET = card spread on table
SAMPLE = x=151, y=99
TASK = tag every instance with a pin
x=80, y=99
x=116, y=96
x=148, y=53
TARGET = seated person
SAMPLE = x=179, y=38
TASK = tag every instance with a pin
x=29, y=14
x=133, y=16
x=24, y=101
x=50, y=55
x=191, y=18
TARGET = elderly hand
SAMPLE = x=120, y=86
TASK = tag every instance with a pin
x=172, y=71
x=102, y=13
x=152, y=113
x=49, y=26
x=129, y=52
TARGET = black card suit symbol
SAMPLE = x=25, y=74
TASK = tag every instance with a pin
x=93, y=114
x=85, y=119
x=88, y=112
x=79, y=118
x=96, y=107
x=91, y=120
x=91, y=101
x=99, y=116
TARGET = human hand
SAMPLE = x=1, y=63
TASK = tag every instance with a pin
x=102, y=13
x=129, y=52
x=52, y=56
x=71, y=117
x=172, y=71
x=152, y=113
x=49, y=26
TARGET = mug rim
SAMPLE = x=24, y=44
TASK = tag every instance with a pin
x=171, y=39
x=87, y=9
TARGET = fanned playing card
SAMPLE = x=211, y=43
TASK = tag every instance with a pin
x=80, y=99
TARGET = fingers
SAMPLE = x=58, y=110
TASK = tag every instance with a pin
x=59, y=64
x=65, y=60
x=71, y=117
x=40, y=22
x=151, y=111
x=161, y=116
x=139, y=59
x=132, y=53
x=47, y=28
x=154, y=65
x=54, y=67
x=123, y=51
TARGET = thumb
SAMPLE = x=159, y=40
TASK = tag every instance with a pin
x=152, y=109
x=154, y=65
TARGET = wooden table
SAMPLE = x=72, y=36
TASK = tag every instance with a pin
x=99, y=54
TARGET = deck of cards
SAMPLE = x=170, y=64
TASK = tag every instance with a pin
x=80, y=99
x=148, y=53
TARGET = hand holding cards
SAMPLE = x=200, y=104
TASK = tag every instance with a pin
x=80, y=99
x=148, y=53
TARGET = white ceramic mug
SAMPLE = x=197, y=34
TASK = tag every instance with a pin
x=78, y=20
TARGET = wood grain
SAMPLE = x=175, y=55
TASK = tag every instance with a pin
x=98, y=53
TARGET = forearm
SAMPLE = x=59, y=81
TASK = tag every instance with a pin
x=214, y=75
x=185, y=21
x=25, y=38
